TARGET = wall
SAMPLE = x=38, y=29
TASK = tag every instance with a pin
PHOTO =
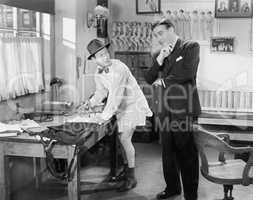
x=85, y=83
x=65, y=50
x=79, y=79
x=47, y=43
x=216, y=70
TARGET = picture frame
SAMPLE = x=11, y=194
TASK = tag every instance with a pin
x=233, y=8
x=148, y=6
x=222, y=44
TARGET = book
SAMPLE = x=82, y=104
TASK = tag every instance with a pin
x=9, y=128
x=9, y=134
x=13, y=128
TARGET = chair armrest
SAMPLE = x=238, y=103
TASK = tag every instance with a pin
x=246, y=170
x=240, y=150
x=226, y=138
x=236, y=150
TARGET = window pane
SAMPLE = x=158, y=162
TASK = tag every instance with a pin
x=1, y=16
x=6, y=33
x=7, y=16
x=26, y=20
x=26, y=34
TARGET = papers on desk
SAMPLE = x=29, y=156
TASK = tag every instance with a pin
x=9, y=134
x=87, y=118
x=15, y=127
x=9, y=127
x=24, y=124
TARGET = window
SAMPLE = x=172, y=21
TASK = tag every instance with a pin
x=19, y=22
x=24, y=51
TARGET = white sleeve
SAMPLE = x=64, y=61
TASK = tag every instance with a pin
x=116, y=96
x=100, y=93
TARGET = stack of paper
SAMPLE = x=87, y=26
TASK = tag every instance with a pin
x=13, y=129
x=9, y=127
x=87, y=118
x=24, y=124
x=9, y=130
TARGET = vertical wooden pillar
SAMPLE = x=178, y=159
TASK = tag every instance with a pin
x=74, y=184
x=4, y=175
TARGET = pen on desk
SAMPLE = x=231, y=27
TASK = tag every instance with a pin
x=163, y=83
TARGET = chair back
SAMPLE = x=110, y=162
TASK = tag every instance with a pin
x=205, y=139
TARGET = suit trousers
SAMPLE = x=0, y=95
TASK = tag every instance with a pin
x=180, y=156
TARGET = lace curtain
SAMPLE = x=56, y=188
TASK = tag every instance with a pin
x=21, y=69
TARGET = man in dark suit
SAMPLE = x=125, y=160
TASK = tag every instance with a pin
x=174, y=69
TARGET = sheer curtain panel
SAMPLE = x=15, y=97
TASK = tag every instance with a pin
x=21, y=70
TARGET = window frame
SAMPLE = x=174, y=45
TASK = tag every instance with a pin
x=16, y=29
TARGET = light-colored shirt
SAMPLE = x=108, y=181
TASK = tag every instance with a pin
x=124, y=96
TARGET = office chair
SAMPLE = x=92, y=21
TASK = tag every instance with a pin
x=226, y=172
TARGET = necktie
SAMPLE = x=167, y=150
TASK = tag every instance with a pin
x=101, y=70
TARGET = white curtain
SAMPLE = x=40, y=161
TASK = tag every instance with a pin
x=21, y=69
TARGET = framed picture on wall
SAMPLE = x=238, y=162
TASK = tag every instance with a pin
x=222, y=44
x=233, y=8
x=148, y=6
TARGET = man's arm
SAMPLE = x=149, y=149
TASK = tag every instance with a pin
x=152, y=74
x=190, y=67
x=162, y=53
x=100, y=93
x=117, y=95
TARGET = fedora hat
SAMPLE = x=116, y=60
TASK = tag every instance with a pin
x=95, y=46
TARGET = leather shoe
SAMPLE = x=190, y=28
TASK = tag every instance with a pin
x=128, y=184
x=121, y=176
x=164, y=194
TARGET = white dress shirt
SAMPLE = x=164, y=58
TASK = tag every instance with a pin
x=124, y=96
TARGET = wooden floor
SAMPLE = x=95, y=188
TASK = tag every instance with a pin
x=148, y=172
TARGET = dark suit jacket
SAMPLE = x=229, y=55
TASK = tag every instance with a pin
x=179, y=70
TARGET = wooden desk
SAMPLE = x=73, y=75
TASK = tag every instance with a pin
x=28, y=146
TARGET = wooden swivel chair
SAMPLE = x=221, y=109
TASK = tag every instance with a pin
x=226, y=172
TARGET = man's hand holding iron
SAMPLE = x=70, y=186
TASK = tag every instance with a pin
x=84, y=107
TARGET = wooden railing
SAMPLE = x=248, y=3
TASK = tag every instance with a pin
x=231, y=101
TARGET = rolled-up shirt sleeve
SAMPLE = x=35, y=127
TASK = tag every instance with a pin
x=116, y=95
x=100, y=93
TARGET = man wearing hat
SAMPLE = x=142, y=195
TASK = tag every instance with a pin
x=125, y=99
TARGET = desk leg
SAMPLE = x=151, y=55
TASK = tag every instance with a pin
x=113, y=147
x=4, y=176
x=74, y=185
x=36, y=172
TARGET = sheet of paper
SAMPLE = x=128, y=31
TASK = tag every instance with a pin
x=29, y=124
x=8, y=134
x=9, y=127
x=87, y=118
x=18, y=125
